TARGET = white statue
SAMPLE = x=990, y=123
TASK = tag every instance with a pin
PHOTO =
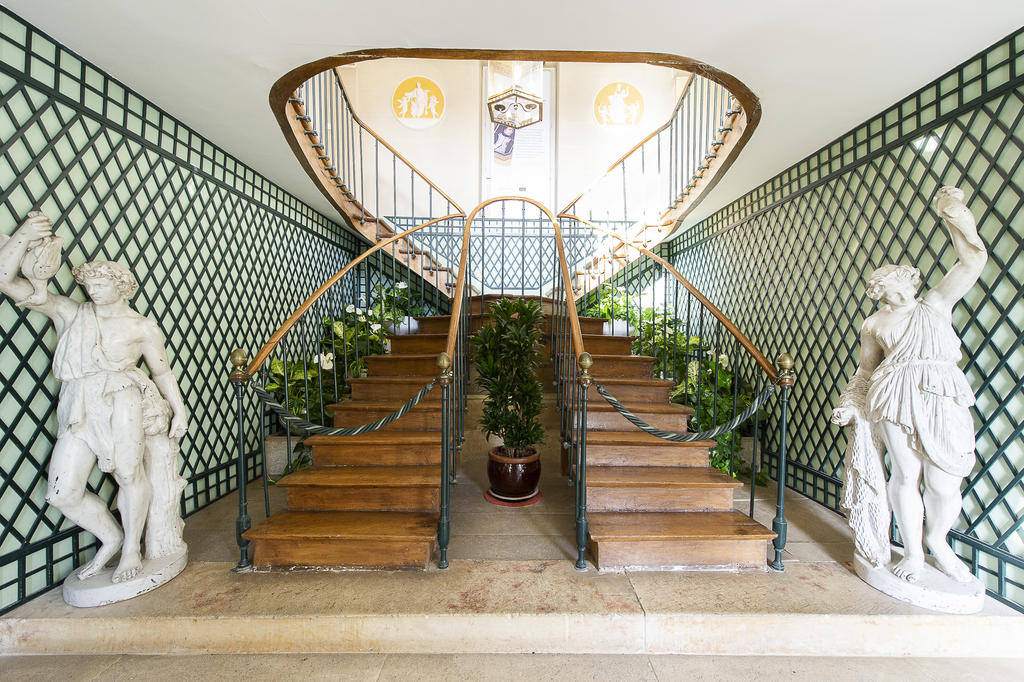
x=109, y=413
x=910, y=399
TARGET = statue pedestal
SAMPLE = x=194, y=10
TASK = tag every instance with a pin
x=934, y=589
x=97, y=590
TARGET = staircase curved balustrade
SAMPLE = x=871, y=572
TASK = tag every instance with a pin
x=376, y=188
x=644, y=194
x=339, y=334
x=714, y=368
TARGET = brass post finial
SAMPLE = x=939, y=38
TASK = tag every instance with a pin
x=238, y=360
x=586, y=361
x=445, y=363
x=785, y=363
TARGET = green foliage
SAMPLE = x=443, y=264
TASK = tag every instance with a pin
x=506, y=354
x=708, y=382
x=715, y=393
x=345, y=342
x=656, y=332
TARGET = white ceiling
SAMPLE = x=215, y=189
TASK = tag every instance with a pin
x=819, y=68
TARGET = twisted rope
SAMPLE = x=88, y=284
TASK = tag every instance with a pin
x=291, y=420
x=687, y=437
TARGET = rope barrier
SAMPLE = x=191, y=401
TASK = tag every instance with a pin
x=687, y=437
x=291, y=420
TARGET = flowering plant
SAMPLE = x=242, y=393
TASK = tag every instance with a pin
x=308, y=385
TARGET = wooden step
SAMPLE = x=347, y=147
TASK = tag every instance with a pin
x=380, y=448
x=641, y=366
x=392, y=388
x=588, y=325
x=402, y=365
x=344, y=540
x=601, y=416
x=425, y=416
x=375, y=488
x=433, y=324
x=608, y=345
x=639, y=449
x=419, y=343
x=698, y=540
x=632, y=389
x=658, y=489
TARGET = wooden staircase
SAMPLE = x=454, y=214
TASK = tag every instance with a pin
x=368, y=501
x=371, y=501
x=651, y=503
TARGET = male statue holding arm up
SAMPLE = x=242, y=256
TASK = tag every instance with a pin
x=109, y=412
x=914, y=400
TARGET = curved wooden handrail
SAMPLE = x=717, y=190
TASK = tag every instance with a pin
x=286, y=85
x=747, y=344
x=391, y=149
x=641, y=143
x=276, y=337
x=460, y=283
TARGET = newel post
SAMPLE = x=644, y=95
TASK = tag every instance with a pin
x=787, y=377
x=447, y=453
x=240, y=381
x=585, y=380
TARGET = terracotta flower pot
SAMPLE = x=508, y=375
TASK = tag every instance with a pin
x=513, y=479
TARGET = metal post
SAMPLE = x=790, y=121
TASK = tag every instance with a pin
x=786, y=380
x=443, y=521
x=585, y=379
x=240, y=380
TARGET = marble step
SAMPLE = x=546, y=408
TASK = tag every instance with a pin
x=811, y=609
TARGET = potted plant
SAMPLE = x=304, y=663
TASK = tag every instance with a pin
x=506, y=354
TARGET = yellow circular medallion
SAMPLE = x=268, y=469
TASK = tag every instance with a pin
x=418, y=102
x=618, y=104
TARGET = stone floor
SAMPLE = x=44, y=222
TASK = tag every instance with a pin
x=512, y=607
x=499, y=668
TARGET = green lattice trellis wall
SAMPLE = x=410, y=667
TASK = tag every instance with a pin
x=222, y=255
x=787, y=263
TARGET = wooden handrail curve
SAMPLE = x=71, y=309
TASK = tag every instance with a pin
x=731, y=327
x=285, y=86
x=387, y=146
x=641, y=143
x=460, y=283
x=275, y=338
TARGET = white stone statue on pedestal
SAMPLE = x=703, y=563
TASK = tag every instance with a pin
x=909, y=399
x=110, y=414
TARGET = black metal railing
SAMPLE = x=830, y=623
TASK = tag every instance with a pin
x=522, y=241
x=304, y=368
x=645, y=188
x=717, y=371
x=370, y=172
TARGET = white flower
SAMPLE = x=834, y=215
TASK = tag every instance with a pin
x=350, y=308
x=402, y=285
x=362, y=318
x=326, y=361
x=723, y=361
x=374, y=327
